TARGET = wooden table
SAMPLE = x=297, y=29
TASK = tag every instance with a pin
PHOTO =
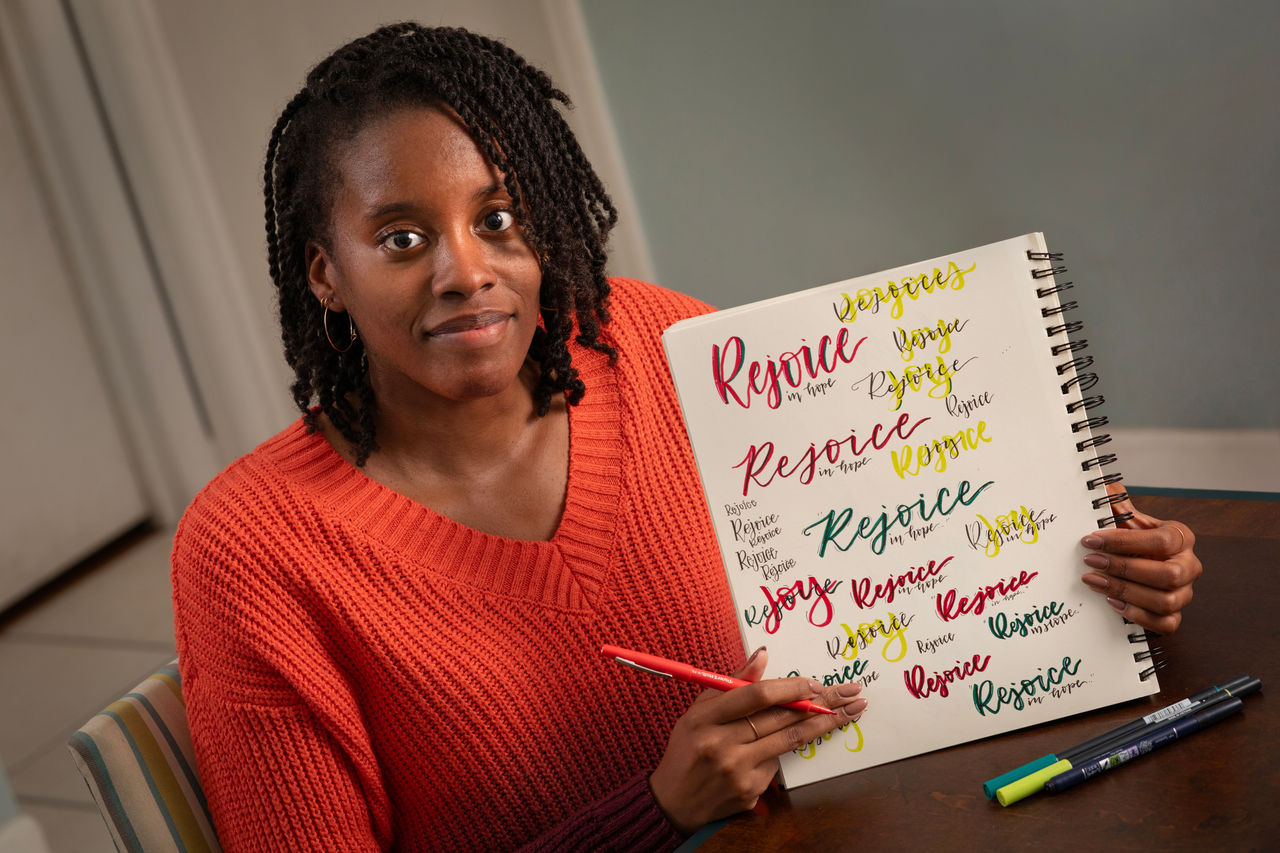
x=1216, y=791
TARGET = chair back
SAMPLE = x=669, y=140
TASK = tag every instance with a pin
x=136, y=757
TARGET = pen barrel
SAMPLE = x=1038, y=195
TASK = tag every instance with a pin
x=715, y=680
x=1212, y=715
x=808, y=706
x=1162, y=737
x=1228, y=687
x=1066, y=780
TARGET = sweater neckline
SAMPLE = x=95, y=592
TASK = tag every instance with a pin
x=569, y=571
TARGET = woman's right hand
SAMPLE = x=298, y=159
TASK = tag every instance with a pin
x=724, y=751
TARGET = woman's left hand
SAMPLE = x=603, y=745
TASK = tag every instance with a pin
x=1145, y=567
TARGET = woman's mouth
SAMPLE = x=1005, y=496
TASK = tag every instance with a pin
x=468, y=323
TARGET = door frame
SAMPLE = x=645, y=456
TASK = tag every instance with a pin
x=131, y=329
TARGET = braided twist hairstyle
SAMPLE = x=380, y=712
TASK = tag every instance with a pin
x=508, y=106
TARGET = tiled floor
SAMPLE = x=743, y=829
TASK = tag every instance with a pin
x=65, y=656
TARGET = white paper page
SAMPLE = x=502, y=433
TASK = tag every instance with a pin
x=947, y=582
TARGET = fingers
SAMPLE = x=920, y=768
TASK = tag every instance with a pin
x=753, y=669
x=782, y=730
x=763, y=696
x=1164, y=540
x=1146, y=571
x=1153, y=586
x=738, y=703
x=844, y=699
x=1160, y=559
x=709, y=772
x=724, y=750
x=756, y=713
x=1112, y=572
x=1160, y=623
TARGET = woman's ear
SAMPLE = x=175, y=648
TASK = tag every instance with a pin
x=322, y=276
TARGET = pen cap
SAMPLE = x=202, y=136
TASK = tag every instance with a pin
x=1032, y=784
x=1245, y=687
x=990, y=786
x=1225, y=687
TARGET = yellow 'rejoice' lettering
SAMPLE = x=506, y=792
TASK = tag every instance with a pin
x=911, y=287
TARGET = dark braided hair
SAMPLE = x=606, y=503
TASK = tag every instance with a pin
x=508, y=106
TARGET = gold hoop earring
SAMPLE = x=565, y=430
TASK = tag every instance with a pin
x=350, y=326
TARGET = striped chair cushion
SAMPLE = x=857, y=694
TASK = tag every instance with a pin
x=136, y=757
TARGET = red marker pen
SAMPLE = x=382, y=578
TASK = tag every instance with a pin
x=684, y=672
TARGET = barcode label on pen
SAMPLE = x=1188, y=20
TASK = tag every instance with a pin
x=1171, y=711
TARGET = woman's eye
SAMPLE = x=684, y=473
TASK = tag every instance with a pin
x=401, y=241
x=498, y=220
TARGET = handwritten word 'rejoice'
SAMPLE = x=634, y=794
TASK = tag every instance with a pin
x=766, y=378
x=909, y=343
x=875, y=528
x=922, y=686
x=949, y=607
x=865, y=595
x=759, y=466
x=936, y=378
x=1035, y=621
x=989, y=699
x=894, y=632
x=911, y=287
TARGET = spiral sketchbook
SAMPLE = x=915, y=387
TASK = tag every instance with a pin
x=899, y=469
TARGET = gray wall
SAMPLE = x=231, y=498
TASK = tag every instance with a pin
x=239, y=61
x=8, y=805
x=775, y=146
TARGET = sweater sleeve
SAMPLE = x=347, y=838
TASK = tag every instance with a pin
x=628, y=819
x=275, y=780
x=281, y=749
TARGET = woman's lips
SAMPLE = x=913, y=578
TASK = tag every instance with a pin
x=469, y=323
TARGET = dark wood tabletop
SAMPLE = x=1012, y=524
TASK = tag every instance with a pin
x=1217, y=790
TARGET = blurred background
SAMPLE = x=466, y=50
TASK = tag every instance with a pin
x=753, y=148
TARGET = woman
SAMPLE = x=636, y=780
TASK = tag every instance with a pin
x=389, y=615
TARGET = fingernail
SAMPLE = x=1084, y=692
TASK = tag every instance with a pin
x=1097, y=561
x=847, y=690
x=755, y=654
x=855, y=708
x=814, y=686
x=1117, y=605
x=1097, y=582
x=1091, y=541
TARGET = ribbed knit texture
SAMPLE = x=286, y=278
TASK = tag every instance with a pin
x=362, y=673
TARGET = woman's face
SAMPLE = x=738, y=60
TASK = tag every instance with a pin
x=425, y=255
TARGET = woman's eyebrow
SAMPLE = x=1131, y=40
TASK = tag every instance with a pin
x=492, y=189
x=391, y=207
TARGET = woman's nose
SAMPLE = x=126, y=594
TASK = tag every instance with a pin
x=462, y=266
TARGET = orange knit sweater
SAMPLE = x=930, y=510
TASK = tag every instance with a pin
x=362, y=673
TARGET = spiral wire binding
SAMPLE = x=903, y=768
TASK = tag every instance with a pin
x=1082, y=382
